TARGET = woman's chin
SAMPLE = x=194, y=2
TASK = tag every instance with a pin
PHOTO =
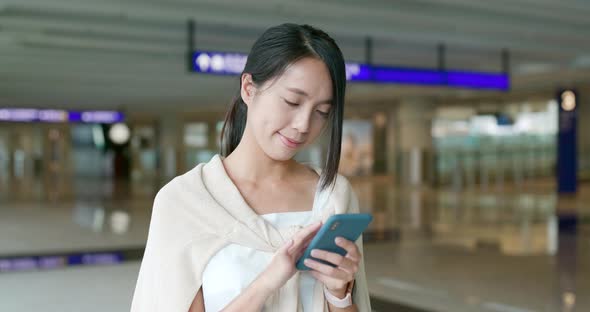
x=282, y=153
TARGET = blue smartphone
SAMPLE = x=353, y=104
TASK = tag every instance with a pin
x=349, y=226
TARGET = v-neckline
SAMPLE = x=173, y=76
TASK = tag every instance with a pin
x=250, y=213
x=316, y=197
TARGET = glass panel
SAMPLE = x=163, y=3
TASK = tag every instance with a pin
x=195, y=134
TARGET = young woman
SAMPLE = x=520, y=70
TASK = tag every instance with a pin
x=226, y=235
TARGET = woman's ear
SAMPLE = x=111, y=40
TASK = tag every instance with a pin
x=247, y=89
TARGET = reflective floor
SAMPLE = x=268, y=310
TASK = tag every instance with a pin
x=498, y=249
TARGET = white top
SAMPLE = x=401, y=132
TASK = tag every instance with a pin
x=235, y=266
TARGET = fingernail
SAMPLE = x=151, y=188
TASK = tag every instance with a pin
x=314, y=253
x=339, y=239
x=307, y=261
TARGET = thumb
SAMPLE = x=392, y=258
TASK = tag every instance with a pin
x=286, y=246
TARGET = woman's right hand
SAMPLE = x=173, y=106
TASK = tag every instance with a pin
x=280, y=269
x=282, y=266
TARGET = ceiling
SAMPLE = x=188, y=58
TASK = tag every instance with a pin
x=130, y=54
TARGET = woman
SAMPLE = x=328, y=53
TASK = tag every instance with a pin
x=226, y=235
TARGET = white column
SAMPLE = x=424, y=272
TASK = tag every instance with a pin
x=170, y=140
x=392, y=142
x=414, y=118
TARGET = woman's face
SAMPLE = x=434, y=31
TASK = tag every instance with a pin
x=288, y=113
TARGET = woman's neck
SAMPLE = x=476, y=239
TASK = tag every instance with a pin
x=250, y=164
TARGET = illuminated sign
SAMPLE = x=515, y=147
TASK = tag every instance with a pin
x=52, y=115
x=223, y=63
x=219, y=63
x=59, y=261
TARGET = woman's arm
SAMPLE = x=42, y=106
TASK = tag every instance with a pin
x=341, y=294
x=277, y=273
x=280, y=269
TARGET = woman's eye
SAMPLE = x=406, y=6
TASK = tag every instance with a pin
x=291, y=103
x=324, y=114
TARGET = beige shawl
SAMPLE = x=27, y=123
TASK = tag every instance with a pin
x=202, y=211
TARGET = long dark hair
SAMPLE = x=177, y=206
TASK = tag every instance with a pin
x=271, y=54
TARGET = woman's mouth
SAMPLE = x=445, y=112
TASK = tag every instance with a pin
x=289, y=143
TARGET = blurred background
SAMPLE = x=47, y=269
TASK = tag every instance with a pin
x=463, y=136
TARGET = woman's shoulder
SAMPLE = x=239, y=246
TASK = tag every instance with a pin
x=338, y=197
x=175, y=185
x=182, y=204
x=180, y=189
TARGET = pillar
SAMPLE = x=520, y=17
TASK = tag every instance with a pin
x=414, y=147
x=169, y=146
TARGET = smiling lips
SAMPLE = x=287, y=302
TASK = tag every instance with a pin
x=290, y=143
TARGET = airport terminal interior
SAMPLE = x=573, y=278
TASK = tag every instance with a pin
x=463, y=135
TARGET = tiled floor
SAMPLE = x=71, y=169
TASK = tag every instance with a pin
x=477, y=250
x=88, y=289
x=443, y=278
x=43, y=228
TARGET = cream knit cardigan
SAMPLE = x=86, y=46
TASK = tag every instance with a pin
x=202, y=211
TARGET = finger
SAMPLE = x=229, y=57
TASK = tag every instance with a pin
x=341, y=262
x=352, y=250
x=298, y=251
x=306, y=233
x=298, y=254
x=321, y=277
x=328, y=270
x=305, y=244
x=309, y=230
x=298, y=246
x=301, y=248
x=327, y=280
x=286, y=246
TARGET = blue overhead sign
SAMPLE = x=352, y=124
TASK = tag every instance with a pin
x=55, y=115
x=224, y=63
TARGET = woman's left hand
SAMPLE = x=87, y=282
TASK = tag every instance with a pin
x=336, y=278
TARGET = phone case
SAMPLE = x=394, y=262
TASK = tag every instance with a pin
x=349, y=226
